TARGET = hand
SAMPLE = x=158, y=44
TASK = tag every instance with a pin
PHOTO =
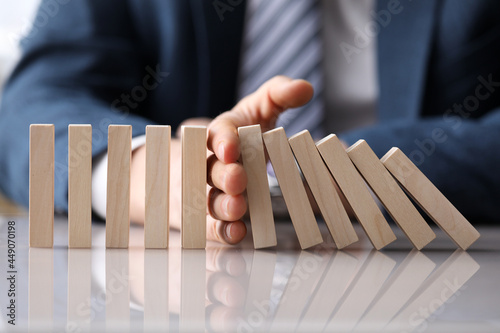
x=226, y=175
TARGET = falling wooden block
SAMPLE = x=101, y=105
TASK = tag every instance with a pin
x=430, y=199
x=323, y=189
x=41, y=196
x=354, y=189
x=293, y=190
x=79, y=186
x=259, y=197
x=391, y=195
x=156, y=223
x=194, y=182
x=118, y=190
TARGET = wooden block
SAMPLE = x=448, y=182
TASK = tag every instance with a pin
x=41, y=197
x=354, y=189
x=430, y=199
x=118, y=190
x=194, y=183
x=391, y=195
x=156, y=223
x=323, y=189
x=259, y=197
x=293, y=190
x=79, y=186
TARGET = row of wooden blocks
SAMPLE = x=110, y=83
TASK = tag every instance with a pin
x=325, y=166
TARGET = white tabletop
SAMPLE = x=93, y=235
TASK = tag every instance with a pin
x=238, y=289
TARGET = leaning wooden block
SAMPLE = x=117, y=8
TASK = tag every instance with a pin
x=259, y=197
x=80, y=186
x=391, y=195
x=41, y=196
x=323, y=189
x=293, y=190
x=118, y=190
x=194, y=182
x=354, y=189
x=430, y=199
x=156, y=223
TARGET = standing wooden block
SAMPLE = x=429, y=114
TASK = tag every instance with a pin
x=430, y=199
x=41, y=197
x=156, y=223
x=118, y=191
x=293, y=190
x=194, y=187
x=354, y=189
x=80, y=186
x=391, y=195
x=323, y=189
x=259, y=197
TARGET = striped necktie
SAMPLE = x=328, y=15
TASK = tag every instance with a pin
x=282, y=37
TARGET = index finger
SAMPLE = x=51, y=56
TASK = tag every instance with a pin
x=262, y=107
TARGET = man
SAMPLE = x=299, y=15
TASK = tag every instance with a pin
x=174, y=62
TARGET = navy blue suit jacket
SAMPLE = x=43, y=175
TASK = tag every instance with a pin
x=141, y=62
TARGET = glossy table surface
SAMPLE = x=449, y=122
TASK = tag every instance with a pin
x=238, y=289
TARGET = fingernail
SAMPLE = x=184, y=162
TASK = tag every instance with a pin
x=228, y=231
x=220, y=151
x=225, y=205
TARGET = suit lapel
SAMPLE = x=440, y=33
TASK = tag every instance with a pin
x=219, y=29
x=404, y=46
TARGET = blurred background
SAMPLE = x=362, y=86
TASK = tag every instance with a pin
x=15, y=21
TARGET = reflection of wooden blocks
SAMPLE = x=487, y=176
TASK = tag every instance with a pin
x=354, y=189
x=194, y=182
x=193, y=290
x=80, y=186
x=118, y=190
x=362, y=291
x=259, y=197
x=397, y=290
x=292, y=188
x=156, y=221
x=390, y=194
x=323, y=189
x=41, y=191
x=430, y=199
